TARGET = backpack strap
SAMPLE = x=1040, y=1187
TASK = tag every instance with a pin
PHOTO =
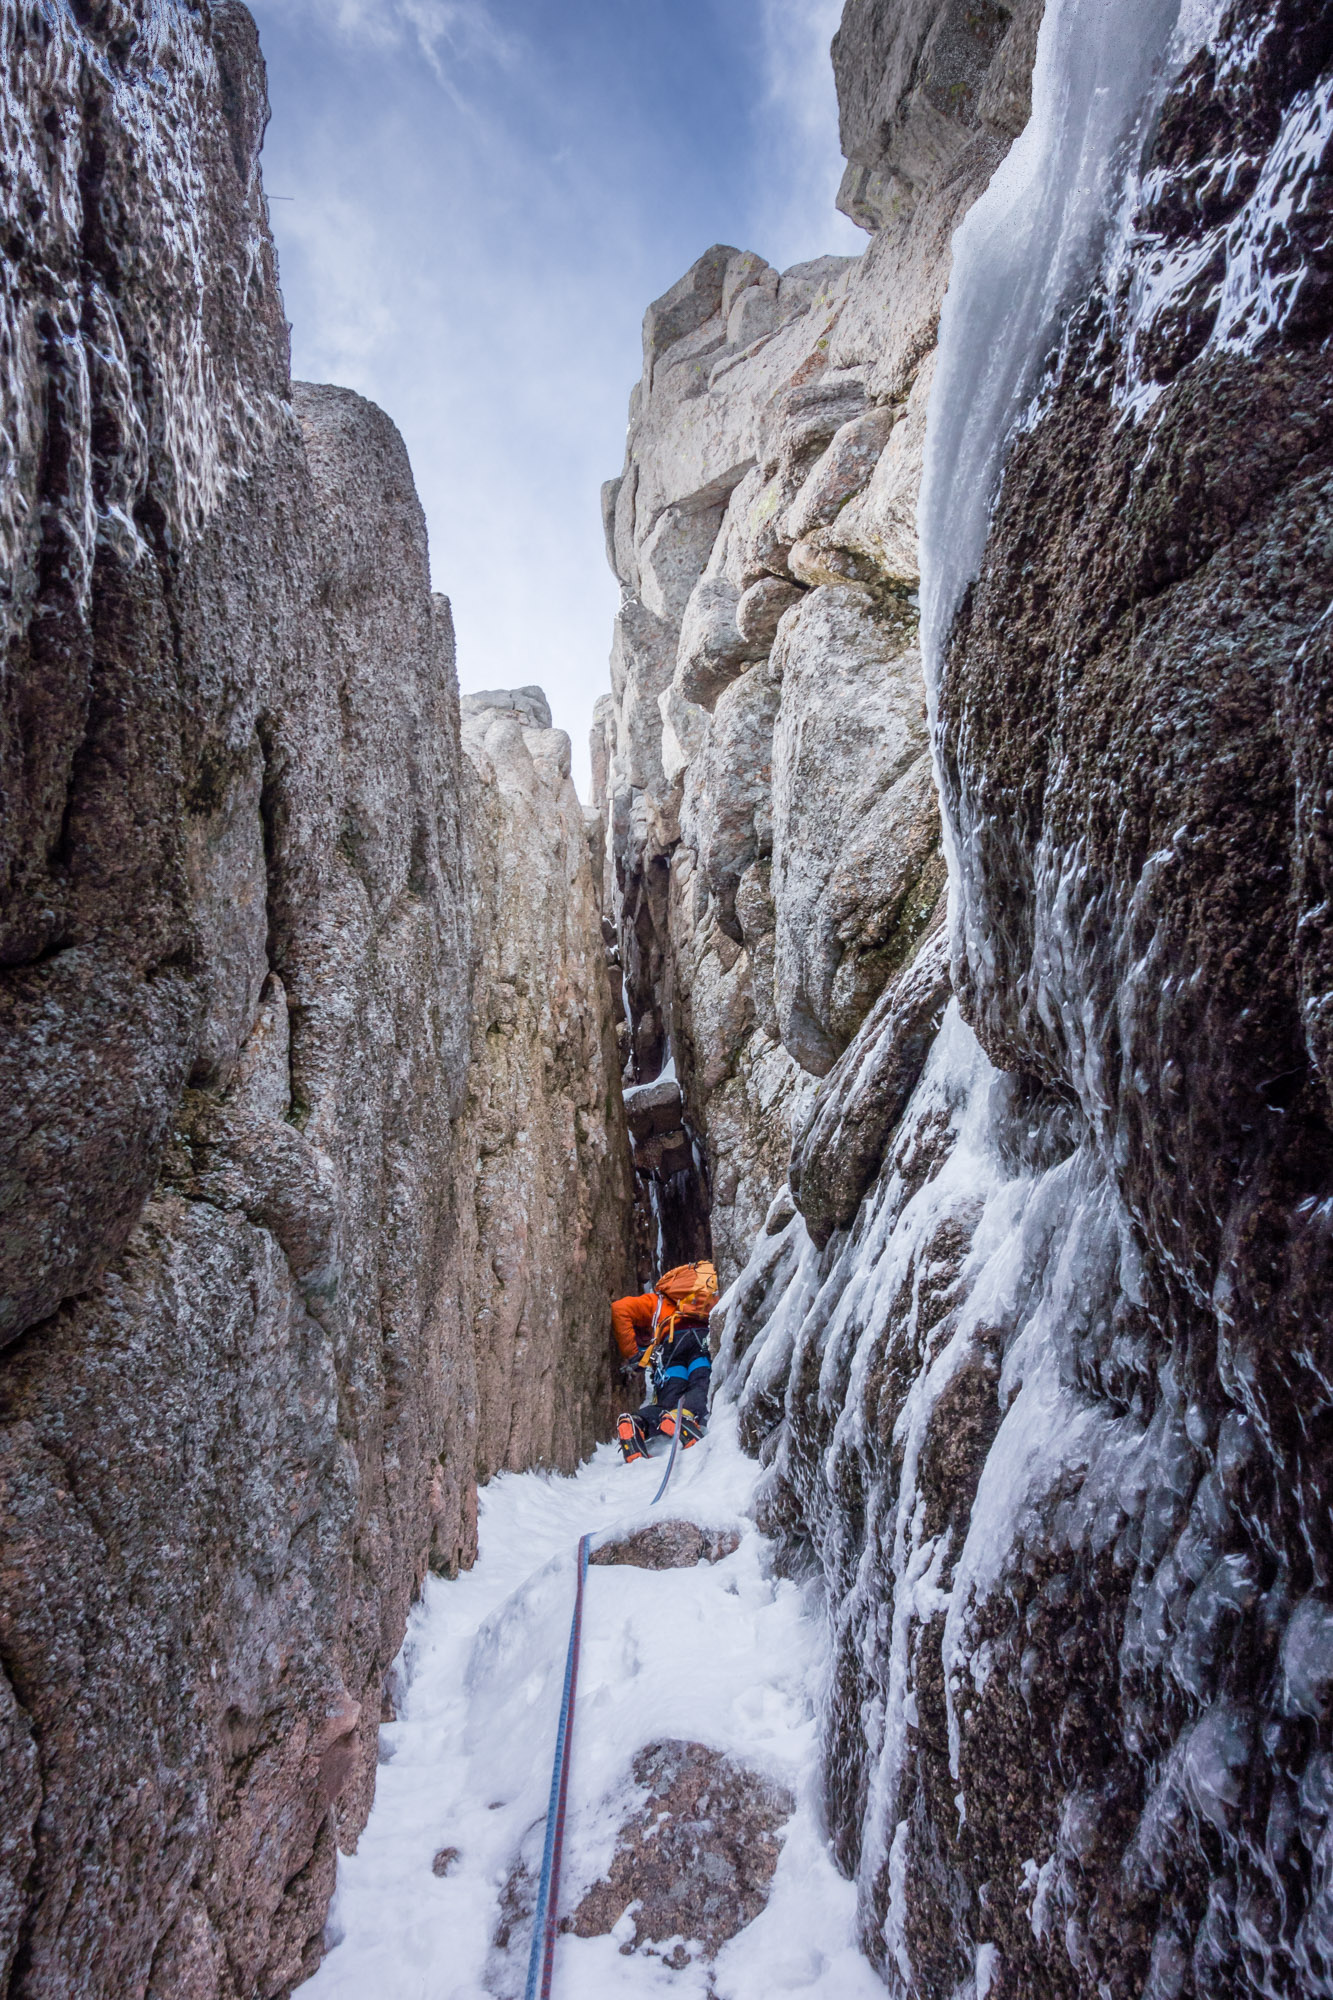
x=662, y=1330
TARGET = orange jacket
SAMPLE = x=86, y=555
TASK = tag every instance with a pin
x=632, y=1322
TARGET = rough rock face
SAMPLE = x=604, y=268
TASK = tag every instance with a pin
x=762, y=764
x=694, y=1860
x=542, y=1145
x=238, y=1401
x=1043, y=1387
x=668, y=1545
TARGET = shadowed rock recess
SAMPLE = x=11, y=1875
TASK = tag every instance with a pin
x=1032, y=1331
x=314, y=1171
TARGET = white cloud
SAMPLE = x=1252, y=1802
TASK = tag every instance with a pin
x=801, y=164
x=463, y=29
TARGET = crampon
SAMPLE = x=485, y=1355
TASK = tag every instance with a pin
x=691, y=1430
x=632, y=1441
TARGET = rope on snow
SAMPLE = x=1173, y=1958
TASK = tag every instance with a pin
x=671, y=1455
x=545, y=1916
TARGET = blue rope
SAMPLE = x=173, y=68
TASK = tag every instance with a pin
x=671, y=1457
x=545, y=1915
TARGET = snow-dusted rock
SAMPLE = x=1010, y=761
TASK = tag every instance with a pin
x=236, y=974
x=651, y=1108
x=694, y=1860
x=668, y=1545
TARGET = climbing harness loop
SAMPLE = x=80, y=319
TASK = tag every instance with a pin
x=683, y=1372
x=545, y=1916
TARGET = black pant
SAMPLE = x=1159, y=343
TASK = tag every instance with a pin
x=694, y=1398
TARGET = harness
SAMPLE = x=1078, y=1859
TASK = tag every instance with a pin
x=702, y=1282
x=682, y=1371
x=658, y=1371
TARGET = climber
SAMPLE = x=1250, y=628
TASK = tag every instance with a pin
x=665, y=1334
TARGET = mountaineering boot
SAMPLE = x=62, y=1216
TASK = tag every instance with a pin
x=630, y=1432
x=691, y=1430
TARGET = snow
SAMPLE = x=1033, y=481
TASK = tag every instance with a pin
x=724, y=1654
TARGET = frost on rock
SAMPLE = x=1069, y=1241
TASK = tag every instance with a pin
x=1048, y=1404
x=148, y=403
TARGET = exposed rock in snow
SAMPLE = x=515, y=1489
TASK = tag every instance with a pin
x=693, y=1862
x=240, y=1405
x=668, y=1545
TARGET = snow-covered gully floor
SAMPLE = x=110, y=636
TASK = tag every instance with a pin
x=723, y=1654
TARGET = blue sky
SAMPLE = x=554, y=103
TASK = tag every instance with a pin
x=482, y=199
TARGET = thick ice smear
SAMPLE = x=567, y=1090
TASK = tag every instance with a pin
x=1023, y=255
x=723, y=1654
x=959, y=1289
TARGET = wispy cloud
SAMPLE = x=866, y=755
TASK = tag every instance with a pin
x=445, y=31
x=353, y=286
x=800, y=164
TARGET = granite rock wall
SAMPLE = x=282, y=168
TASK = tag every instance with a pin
x=1033, y=1346
x=252, y=1365
x=543, y=1150
x=764, y=769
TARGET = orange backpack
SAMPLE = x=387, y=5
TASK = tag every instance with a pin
x=689, y=1293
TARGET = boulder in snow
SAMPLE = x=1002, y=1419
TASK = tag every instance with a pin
x=695, y=1858
x=669, y=1545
